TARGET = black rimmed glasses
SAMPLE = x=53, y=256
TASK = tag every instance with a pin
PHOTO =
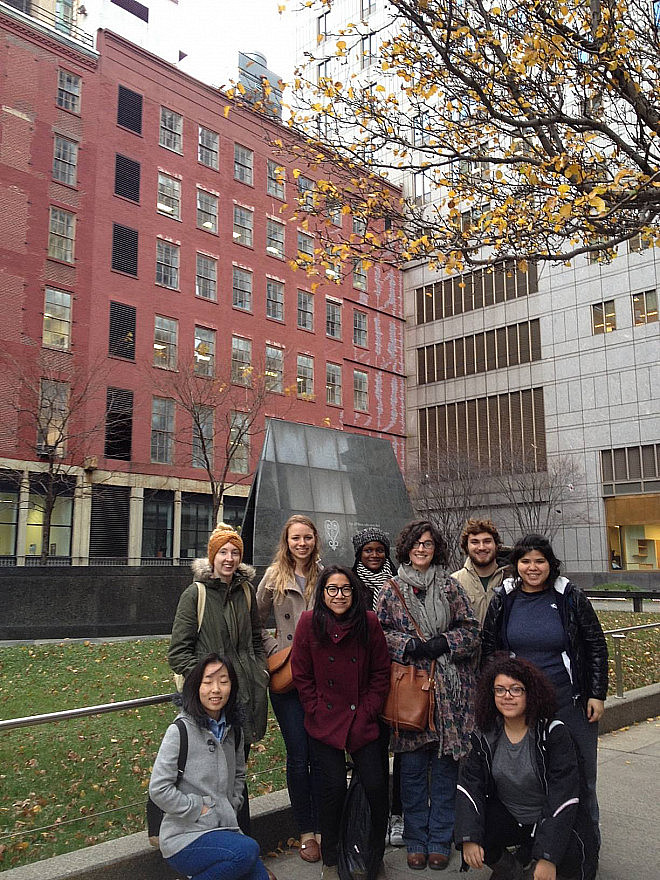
x=427, y=545
x=333, y=591
x=516, y=690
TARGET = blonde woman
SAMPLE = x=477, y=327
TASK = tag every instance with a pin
x=286, y=590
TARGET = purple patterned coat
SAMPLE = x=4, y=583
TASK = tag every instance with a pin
x=454, y=719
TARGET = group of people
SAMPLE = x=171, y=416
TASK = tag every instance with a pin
x=506, y=766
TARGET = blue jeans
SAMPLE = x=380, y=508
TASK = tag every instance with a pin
x=428, y=794
x=302, y=786
x=220, y=855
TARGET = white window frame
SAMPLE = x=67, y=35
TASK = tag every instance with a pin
x=241, y=360
x=243, y=164
x=168, y=200
x=241, y=293
x=275, y=238
x=166, y=336
x=275, y=185
x=207, y=211
x=61, y=235
x=57, y=319
x=360, y=391
x=167, y=264
x=208, y=148
x=206, y=277
x=162, y=430
x=333, y=384
x=305, y=376
x=69, y=91
x=65, y=160
x=274, y=368
x=205, y=347
x=274, y=299
x=171, y=130
x=243, y=228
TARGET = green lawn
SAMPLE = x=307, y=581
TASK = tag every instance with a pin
x=75, y=783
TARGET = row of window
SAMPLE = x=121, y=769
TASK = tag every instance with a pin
x=631, y=469
x=478, y=289
x=490, y=350
x=644, y=311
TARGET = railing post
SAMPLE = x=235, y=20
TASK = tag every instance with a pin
x=617, y=663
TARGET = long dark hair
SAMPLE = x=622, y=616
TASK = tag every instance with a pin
x=541, y=700
x=356, y=615
x=411, y=533
x=190, y=694
x=541, y=545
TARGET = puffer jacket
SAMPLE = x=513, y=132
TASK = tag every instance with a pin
x=230, y=627
x=585, y=653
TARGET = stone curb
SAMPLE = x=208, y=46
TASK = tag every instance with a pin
x=272, y=820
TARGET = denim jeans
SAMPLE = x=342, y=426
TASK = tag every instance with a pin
x=428, y=794
x=300, y=781
x=220, y=855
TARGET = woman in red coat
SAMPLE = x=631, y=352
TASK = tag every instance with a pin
x=341, y=668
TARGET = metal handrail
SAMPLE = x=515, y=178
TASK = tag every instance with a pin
x=32, y=720
x=618, y=635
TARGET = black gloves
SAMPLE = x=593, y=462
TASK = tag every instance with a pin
x=429, y=650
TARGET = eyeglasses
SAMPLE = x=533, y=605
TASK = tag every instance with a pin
x=516, y=690
x=333, y=591
x=427, y=545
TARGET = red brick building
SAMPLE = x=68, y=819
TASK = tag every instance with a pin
x=148, y=247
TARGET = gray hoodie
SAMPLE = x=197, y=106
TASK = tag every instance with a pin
x=214, y=775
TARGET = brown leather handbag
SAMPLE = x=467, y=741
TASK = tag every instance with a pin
x=410, y=703
x=279, y=667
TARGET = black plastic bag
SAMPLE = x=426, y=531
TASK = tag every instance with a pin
x=356, y=860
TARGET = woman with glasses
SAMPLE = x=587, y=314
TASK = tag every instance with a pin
x=519, y=788
x=429, y=623
x=341, y=669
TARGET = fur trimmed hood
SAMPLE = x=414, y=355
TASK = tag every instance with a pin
x=202, y=570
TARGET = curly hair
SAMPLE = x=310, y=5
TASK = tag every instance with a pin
x=411, y=533
x=356, y=615
x=190, y=694
x=475, y=527
x=540, y=694
x=542, y=546
x=283, y=567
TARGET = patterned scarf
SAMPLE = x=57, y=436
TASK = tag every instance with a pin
x=375, y=580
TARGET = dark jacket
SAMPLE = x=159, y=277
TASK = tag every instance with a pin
x=231, y=627
x=557, y=766
x=585, y=654
x=342, y=684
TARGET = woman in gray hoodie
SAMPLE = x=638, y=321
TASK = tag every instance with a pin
x=199, y=835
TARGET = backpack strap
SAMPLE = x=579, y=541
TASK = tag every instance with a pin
x=183, y=749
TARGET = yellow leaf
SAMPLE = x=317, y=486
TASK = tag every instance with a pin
x=226, y=111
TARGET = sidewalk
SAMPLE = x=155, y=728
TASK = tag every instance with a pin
x=629, y=795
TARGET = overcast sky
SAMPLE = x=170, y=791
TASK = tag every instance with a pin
x=220, y=28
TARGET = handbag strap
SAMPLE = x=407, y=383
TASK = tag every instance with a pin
x=396, y=589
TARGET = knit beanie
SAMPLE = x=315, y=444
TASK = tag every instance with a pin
x=368, y=535
x=222, y=535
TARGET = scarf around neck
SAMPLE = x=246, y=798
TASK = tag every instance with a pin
x=425, y=597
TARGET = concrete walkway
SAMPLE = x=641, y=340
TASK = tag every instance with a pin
x=629, y=795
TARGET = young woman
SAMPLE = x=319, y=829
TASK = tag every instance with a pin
x=199, y=835
x=286, y=591
x=341, y=669
x=430, y=602
x=546, y=619
x=520, y=784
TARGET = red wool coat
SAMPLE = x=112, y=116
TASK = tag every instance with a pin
x=342, y=684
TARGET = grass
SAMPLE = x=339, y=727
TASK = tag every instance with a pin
x=79, y=782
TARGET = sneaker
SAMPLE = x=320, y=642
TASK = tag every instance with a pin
x=396, y=831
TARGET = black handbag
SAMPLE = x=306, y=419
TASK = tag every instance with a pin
x=154, y=813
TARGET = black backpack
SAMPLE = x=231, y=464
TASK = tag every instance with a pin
x=154, y=813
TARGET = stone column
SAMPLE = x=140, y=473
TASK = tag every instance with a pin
x=135, y=526
x=21, y=526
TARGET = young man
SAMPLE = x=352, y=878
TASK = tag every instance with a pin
x=481, y=573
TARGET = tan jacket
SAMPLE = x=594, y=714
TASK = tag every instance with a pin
x=479, y=598
x=287, y=613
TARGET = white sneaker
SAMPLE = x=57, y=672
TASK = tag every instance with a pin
x=396, y=831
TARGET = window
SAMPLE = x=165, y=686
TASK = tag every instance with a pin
x=332, y=319
x=305, y=310
x=167, y=264
x=360, y=328
x=243, y=164
x=162, y=430
x=242, y=289
x=333, y=210
x=421, y=188
x=207, y=211
x=645, y=308
x=241, y=360
x=208, y=147
x=202, y=441
x=359, y=226
x=305, y=246
x=166, y=331
x=274, y=299
x=367, y=50
x=124, y=249
x=68, y=91
x=603, y=317
x=305, y=192
x=169, y=196
x=171, y=130
x=243, y=225
x=61, y=235
x=63, y=15
x=275, y=180
x=274, y=368
x=305, y=376
x=57, y=319
x=127, y=178
x=206, y=277
x=323, y=26
x=367, y=7
x=121, y=337
x=118, y=423
x=275, y=238
x=239, y=443
x=65, y=160
x=157, y=524
x=641, y=241
x=53, y=417
x=420, y=128
x=196, y=524
x=129, y=110
x=204, y=352
x=333, y=384
x=332, y=263
x=359, y=275
x=360, y=397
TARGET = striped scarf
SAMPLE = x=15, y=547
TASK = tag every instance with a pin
x=375, y=580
